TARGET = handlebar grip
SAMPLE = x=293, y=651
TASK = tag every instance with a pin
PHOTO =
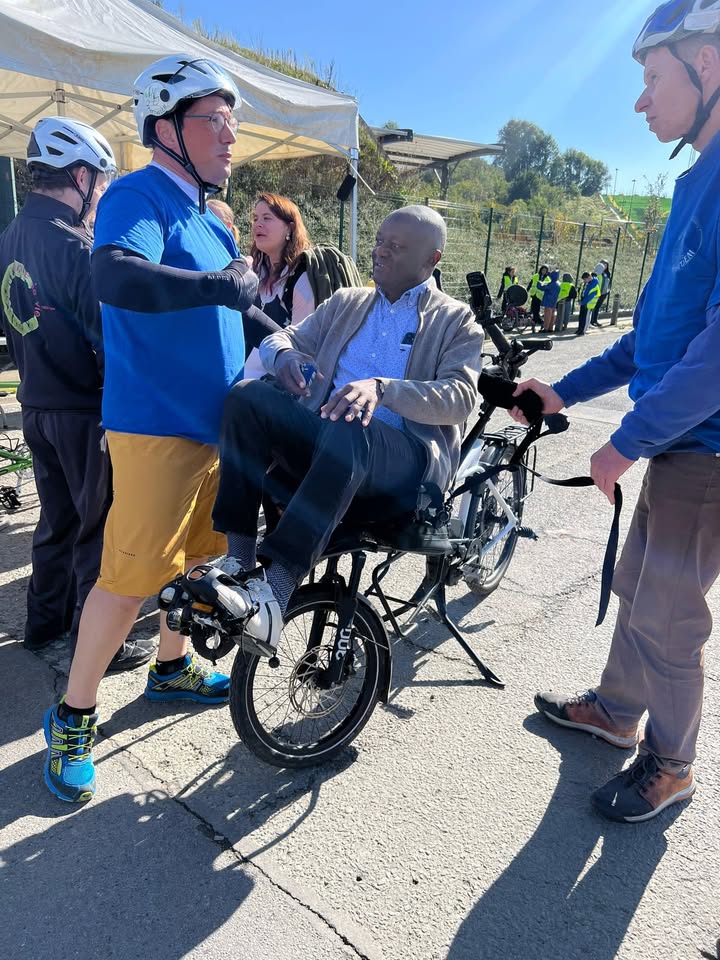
x=497, y=337
x=546, y=344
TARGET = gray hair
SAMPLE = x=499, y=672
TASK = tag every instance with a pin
x=429, y=220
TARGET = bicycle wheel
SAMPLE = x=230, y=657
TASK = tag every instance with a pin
x=282, y=714
x=486, y=565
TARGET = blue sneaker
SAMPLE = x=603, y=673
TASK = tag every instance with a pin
x=69, y=769
x=191, y=682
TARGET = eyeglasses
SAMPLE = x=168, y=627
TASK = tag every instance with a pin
x=217, y=121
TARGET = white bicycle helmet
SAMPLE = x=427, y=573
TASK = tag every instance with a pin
x=163, y=86
x=61, y=143
x=672, y=22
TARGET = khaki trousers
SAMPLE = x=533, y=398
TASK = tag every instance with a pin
x=670, y=560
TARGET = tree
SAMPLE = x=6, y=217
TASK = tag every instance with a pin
x=654, y=213
x=576, y=170
x=528, y=149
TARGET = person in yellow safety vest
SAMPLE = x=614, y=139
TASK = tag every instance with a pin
x=508, y=280
x=589, y=296
x=566, y=298
x=535, y=292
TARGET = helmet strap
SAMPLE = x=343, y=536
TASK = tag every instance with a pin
x=703, y=111
x=204, y=188
x=86, y=197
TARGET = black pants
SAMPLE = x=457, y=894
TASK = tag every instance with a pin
x=535, y=310
x=331, y=462
x=74, y=484
x=598, y=307
x=582, y=318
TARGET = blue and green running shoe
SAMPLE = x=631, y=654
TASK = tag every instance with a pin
x=69, y=768
x=190, y=682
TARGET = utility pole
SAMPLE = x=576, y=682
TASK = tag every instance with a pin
x=632, y=197
x=615, y=184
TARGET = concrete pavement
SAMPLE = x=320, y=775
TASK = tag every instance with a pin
x=457, y=826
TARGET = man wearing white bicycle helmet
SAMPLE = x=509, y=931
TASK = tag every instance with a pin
x=172, y=286
x=671, y=362
x=52, y=321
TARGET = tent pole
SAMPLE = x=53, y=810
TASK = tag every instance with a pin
x=354, y=204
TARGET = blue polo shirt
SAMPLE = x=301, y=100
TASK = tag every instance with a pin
x=167, y=374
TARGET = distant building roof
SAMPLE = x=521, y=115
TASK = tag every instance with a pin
x=408, y=150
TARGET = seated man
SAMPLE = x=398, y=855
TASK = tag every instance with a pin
x=397, y=371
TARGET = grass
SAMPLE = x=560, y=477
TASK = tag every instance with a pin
x=634, y=207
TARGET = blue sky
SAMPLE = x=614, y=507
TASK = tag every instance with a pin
x=462, y=68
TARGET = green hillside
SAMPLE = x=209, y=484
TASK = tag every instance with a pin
x=635, y=207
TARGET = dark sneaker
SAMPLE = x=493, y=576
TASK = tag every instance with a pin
x=132, y=654
x=69, y=769
x=643, y=791
x=191, y=682
x=582, y=713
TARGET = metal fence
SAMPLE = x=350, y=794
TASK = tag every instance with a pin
x=480, y=237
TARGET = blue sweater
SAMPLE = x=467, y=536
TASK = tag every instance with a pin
x=671, y=358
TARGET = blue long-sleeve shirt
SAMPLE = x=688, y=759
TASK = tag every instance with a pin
x=671, y=358
x=656, y=423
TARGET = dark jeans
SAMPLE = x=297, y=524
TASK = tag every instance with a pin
x=74, y=484
x=331, y=461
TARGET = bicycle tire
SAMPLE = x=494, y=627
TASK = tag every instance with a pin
x=486, y=520
x=269, y=740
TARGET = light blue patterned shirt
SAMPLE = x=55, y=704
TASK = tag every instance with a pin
x=381, y=347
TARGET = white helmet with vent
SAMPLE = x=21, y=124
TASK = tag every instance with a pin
x=166, y=83
x=59, y=142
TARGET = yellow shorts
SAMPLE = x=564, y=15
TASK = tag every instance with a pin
x=161, y=516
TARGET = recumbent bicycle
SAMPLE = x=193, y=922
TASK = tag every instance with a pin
x=333, y=664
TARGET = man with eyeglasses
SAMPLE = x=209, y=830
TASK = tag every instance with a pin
x=51, y=318
x=173, y=286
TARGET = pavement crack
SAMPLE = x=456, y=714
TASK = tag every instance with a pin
x=225, y=844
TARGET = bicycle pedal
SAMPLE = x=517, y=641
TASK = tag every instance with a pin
x=527, y=533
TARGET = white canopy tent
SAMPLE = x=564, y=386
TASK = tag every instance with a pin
x=78, y=58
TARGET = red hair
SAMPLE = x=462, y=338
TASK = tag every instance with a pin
x=287, y=211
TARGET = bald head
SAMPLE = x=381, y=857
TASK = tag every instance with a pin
x=409, y=244
x=426, y=222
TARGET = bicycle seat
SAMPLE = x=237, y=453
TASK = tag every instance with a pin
x=407, y=534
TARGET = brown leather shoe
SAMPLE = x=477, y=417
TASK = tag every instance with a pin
x=581, y=712
x=643, y=791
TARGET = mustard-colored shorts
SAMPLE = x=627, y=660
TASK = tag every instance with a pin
x=160, y=520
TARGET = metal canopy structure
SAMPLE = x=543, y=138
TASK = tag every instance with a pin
x=408, y=150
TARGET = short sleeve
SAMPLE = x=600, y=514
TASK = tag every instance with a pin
x=129, y=219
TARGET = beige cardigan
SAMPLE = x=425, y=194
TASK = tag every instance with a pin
x=440, y=389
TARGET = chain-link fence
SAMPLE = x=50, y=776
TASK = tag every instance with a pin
x=480, y=237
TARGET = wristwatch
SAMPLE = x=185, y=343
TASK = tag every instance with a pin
x=380, y=389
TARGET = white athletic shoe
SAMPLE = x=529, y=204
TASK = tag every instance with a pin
x=266, y=624
x=229, y=565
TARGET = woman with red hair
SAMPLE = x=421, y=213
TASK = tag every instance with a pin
x=279, y=236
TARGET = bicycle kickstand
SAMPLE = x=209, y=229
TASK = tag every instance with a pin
x=441, y=604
